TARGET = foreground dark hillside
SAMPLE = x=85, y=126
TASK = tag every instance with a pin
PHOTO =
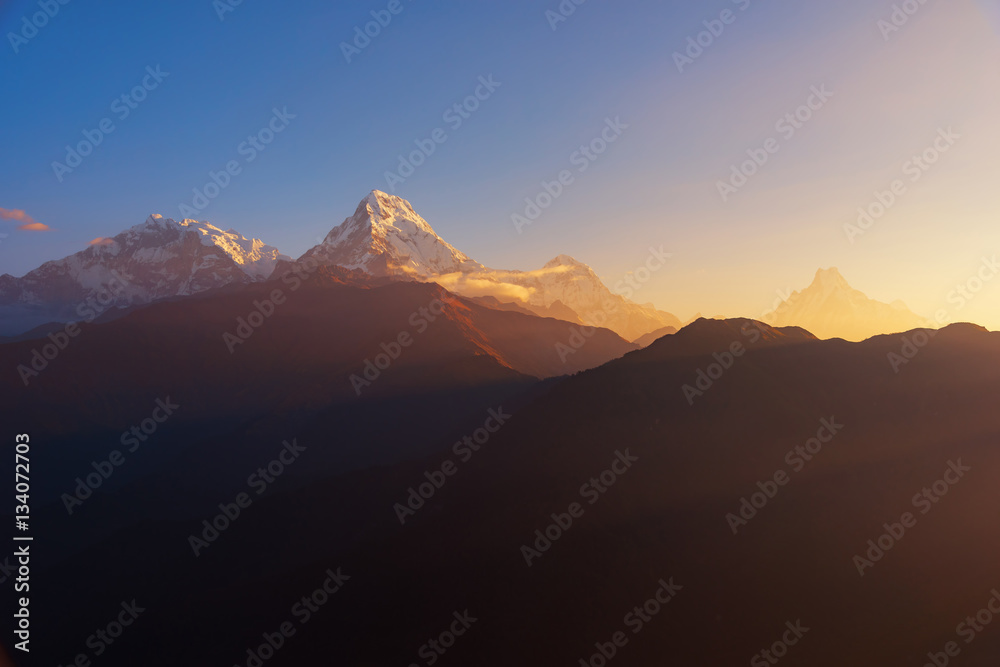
x=896, y=434
x=662, y=521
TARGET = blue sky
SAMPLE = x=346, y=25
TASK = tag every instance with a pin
x=656, y=185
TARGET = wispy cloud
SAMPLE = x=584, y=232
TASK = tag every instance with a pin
x=34, y=227
x=505, y=285
x=16, y=214
x=483, y=285
x=101, y=240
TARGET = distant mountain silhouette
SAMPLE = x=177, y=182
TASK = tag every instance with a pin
x=831, y=308
x=647, y=339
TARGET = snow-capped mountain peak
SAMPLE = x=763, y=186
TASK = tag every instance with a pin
x=391, y=211
x=156, y=259
x=565, y=260
x=385, y=236
x=256, y=258
x=380, y=214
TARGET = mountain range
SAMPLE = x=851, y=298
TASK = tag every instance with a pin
x=444, y=441
x=385, y=240
x=158, y=259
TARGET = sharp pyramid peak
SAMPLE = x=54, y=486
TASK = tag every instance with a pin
x=830, y=278
x=564, y=260
x=385, y=235
x=379, y=211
